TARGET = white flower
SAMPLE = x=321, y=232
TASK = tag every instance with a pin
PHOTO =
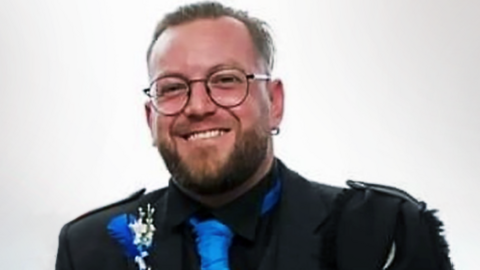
x=143, y=232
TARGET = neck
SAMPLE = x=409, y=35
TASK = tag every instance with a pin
x=218, y=200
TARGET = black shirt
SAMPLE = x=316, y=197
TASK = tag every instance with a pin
x=242, y=216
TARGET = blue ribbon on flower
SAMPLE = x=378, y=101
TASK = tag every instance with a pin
x=133, y=235
x=119, y=229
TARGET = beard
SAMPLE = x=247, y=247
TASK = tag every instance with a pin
x=215, y=176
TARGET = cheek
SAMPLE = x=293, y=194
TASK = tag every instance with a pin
x=161, y=129
x=253, y=112
x=260, y=101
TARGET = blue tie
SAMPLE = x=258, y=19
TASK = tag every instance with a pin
x=214, y=237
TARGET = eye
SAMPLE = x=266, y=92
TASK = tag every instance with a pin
x=227, y=79
x=171, y=88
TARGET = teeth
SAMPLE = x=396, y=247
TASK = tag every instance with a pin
x=205, y=134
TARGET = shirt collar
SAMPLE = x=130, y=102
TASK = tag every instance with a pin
x=237, y=215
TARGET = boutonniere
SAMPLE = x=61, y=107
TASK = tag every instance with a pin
x=134, y=234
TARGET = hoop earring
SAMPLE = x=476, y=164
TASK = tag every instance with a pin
x=275, y=131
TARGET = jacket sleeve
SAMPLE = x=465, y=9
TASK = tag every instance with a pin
x=380, y=227
x=63, y=255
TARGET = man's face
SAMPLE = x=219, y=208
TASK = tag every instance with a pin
x=210, y=149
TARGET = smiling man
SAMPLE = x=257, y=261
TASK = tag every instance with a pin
x=213, y=107
x=212, y=110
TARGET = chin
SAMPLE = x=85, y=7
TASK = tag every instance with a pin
x=210, y=169
x=208, y=172
x=204, y=168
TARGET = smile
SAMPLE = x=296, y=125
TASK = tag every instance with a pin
x=207, y=134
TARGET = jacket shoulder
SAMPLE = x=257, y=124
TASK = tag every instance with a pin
x=109, y=208
x=327, y=191
x=95, y=221
x=307, y=187
x=118, y=204
x=84, y=241
x=388, y=191
x=377, y=225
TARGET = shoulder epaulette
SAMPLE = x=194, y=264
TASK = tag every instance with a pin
x=393, y=191
x=132, y=197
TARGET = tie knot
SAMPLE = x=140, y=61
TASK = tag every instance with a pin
x=213, y=241
x=211, y=227
x=214, y=238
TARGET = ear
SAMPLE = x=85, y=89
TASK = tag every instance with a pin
x=277, y=103
x=150, y=117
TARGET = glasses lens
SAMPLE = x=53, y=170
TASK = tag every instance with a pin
x=228, y=87
x=169, y=94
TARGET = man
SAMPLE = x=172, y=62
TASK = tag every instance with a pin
x=230, y=204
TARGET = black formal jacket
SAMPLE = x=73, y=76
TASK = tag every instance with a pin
x=319, y=227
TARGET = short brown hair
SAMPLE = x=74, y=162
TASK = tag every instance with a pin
x=258, y=29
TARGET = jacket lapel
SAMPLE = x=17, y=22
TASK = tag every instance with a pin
x=167, y=245
x=303, y=209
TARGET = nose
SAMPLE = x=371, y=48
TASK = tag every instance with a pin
x=199, y=104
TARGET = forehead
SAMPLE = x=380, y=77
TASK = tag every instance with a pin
x=195, y=47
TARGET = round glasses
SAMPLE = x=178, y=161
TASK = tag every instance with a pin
x=226, y=88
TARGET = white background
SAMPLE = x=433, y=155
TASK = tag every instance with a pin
x=379, y=91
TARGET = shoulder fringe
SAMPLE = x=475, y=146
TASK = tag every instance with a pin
x=441, y=247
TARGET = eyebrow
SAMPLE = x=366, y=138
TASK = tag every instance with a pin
x=228, y=64
x=225, y=65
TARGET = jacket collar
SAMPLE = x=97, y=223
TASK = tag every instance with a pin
x=304, y=207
